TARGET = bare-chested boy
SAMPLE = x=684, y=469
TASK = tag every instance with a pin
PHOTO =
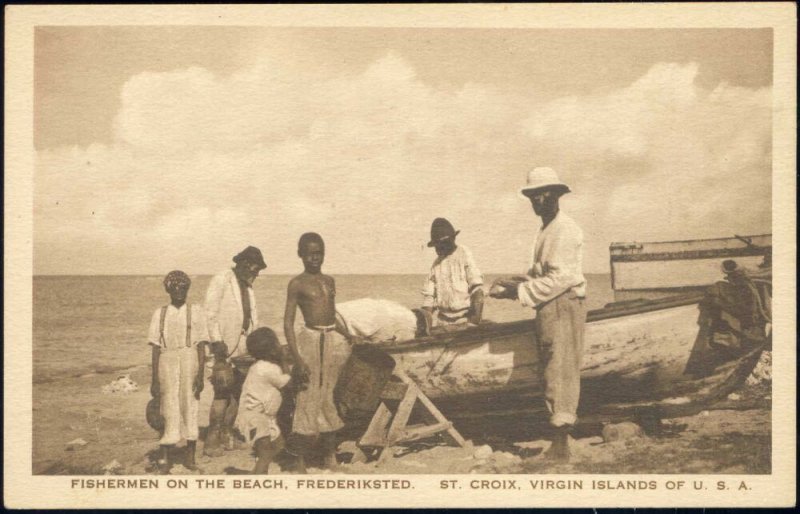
x=319, y=350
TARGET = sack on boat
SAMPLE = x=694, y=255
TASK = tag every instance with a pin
x=370, y=320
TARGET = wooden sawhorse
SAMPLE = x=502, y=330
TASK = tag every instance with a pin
x=389, y=426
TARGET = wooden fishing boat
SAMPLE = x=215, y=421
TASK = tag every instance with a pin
x=666, y=268
x=660, y=358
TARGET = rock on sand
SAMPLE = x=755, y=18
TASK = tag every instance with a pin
x=621, y=431
x=75, y=444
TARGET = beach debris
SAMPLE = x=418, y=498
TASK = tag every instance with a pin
x=621, y=431
x=482, y=452
x=122, y=384
x=75, y=444
x=112, y=468
x=734, y=396
x=498, y=462
x=501, y=459
x=762, y=373
x=677, y=401
x=180, y=469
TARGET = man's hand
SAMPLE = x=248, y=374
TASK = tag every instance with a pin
x=155, y=389
x=506, y=288
x=301, y=375
x=354, y=340
x=198, y=386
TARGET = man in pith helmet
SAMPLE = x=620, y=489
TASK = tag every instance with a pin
x=556, y=288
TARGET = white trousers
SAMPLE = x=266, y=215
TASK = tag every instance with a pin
x=177, y=370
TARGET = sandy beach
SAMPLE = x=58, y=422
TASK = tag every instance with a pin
x=732, y=437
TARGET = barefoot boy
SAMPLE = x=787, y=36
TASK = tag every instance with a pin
x=319, y=351
x=177, y=337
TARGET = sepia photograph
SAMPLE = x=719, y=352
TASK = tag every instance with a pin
x=518, y=258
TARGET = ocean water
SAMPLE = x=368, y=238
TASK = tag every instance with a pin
x=98, y=324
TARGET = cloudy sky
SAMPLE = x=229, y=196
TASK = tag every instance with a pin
x=166, y=147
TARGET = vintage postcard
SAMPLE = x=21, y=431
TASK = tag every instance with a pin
x=472, y=255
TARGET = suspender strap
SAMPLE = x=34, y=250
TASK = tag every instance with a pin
x=161, y=327
x=239, y=340
x=188, y=326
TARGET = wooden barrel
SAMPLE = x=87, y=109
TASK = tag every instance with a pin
x=363, y=376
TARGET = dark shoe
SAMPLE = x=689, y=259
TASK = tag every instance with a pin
x=189, y=461
x=164, y=464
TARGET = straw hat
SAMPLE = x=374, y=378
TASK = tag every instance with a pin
x=543, y=178
x=153, y=415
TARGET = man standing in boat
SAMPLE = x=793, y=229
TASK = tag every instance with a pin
x=231, y=316
x=556, y=288
x=454, y=287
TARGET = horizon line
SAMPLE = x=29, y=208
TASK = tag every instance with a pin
x=263, y=275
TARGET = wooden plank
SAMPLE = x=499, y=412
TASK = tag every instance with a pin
x=689, y=244
x=434, y=411
x=413, y=433
x=401, y=416
x=375, y=435
x=714, y=253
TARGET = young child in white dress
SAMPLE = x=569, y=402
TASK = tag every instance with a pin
x=261, y=398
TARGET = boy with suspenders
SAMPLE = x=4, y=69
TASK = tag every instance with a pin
x=177, y=336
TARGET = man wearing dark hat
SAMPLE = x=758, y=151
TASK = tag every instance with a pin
x=232, y=315
x=555, y=288
x=454, y=285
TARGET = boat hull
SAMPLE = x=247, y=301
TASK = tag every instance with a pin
x=652, y=357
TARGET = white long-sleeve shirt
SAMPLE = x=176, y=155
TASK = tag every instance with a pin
x=224, y=312
x=556, y=263
x=451, y=282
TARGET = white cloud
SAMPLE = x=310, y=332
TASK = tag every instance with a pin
x=203, y=164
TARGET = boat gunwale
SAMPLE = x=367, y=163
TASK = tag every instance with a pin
x=473, y=335
x=619, y=244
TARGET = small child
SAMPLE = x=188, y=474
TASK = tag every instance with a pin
x=226, y=382
x=177, y=337
x=261, y=398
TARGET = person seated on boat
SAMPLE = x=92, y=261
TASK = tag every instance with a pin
x=454, y=286
x=370, y=320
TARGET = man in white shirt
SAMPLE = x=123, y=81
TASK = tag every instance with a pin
x=371, y=320
x=556, y=288
x=454, y=287
x=231, y=314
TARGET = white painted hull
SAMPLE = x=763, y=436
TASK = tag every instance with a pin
x=644, y=358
